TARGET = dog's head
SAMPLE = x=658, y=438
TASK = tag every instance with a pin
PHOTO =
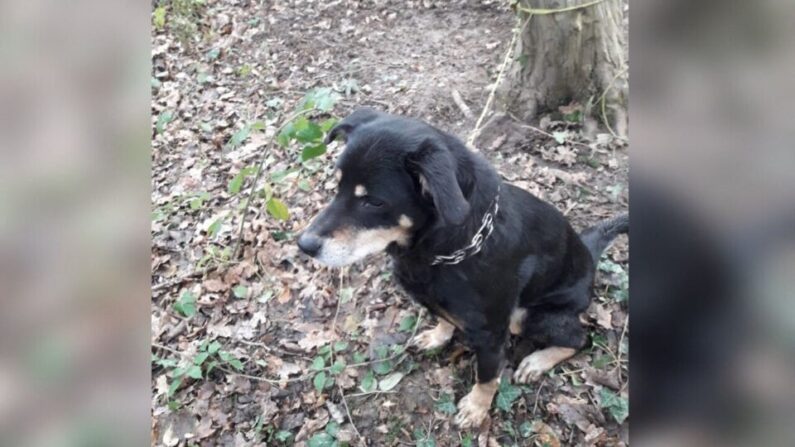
x=396, y=176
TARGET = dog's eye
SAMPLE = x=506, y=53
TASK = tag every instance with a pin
x=372, y=202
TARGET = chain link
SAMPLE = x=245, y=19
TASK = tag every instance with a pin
x=476, y=244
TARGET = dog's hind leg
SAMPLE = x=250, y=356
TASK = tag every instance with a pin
x=561, y=335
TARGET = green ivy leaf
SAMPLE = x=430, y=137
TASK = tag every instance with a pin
x=240, y=291
x=322, y=439
x=285, y=135
x=526, y=429
x=239, y=137
x=277, y=209
x=308, y=132
x=615, y=404
x=304, y=185
x=318, y=363
x=231, y=360
x=279, y=176
x=236, y=183
x=320, y=381
x=337, y=367
x=407, y=323
x=326, y=125
x=186, y=305
x=174, y=385
x=213, y=347
x=194, y=372
x=368, y=382
x=333, y=428
x=213, y=54
x=198, y=201
x=200, y=358
x=445, y=404
x=162, y=120
x=215, y=227
x=390, y=381
x=382, y=367
x=159, y=17
x=507, y=395
x=312, y=151
x=282, y=435
x=340, y=346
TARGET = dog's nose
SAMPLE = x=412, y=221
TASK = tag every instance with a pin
x=309, y=243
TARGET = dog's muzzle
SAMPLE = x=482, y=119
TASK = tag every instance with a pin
x=310, y=243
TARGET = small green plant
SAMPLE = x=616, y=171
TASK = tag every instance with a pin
x=423, y=439
x=617, y=406
x=621, y=292
x=407, y=323
x=208, y=357
x=186, y=304
x=181, y=18
x=446, y=404
x=326, y=438
x=163, y=119
x=507, y=394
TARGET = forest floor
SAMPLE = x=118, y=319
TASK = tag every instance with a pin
x=268, y=348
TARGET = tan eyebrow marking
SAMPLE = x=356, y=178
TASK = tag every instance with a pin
x=360, y=191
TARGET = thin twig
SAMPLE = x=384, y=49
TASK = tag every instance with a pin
x=459, y=101
x=538, y=393
x=368, y=393
x=543, y=12
x=262, y=379
x=166, y=348
x=272, y=349
x=543, y=132
x=339, y=303
x=603, y=100
x=253, y=187
x=183, y=278
x=476, y=131
x=621, y=340
x=347, y=410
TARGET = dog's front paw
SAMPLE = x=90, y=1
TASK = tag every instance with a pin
x=433, y=338
x=472, y=410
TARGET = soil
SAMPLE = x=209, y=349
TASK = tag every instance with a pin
x=277, y=312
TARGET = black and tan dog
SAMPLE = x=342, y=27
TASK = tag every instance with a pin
x=484, y=256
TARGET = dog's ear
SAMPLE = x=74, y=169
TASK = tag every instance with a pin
x=351, y=122
x=436, y=167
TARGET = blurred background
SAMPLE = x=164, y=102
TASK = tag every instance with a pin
x=712, y=235
x=74, y=223
x=713, y=223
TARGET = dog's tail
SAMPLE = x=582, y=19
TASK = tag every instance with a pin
x=599, y=236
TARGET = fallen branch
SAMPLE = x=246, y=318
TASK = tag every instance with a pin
x=350, y=418
x=459, y=101
x=183, y=278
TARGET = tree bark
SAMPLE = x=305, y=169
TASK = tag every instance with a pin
x=573, y=56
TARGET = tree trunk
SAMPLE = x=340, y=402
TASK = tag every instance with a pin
x=573, y=56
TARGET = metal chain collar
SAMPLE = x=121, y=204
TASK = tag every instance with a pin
x=486, y=228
